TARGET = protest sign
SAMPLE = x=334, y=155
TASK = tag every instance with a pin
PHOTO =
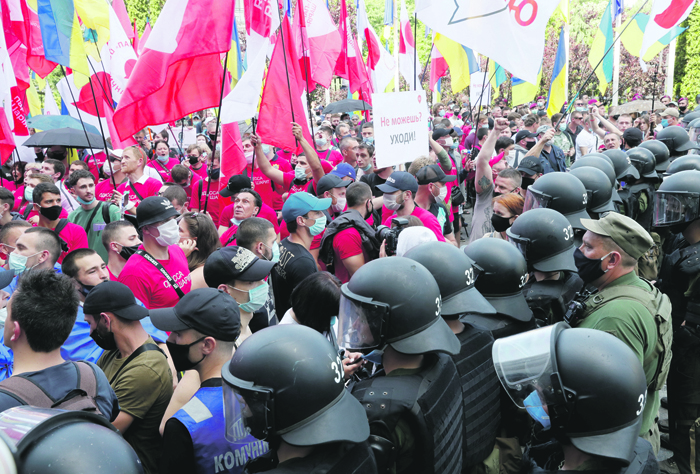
x=400, y=127
x=476, y=87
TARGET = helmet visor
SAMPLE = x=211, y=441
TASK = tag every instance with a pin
x=694, y=135
x=674, y=208
x=535, y=200
x=247, y=411
x=360, y=323
x=521, y=243
x=526, y=366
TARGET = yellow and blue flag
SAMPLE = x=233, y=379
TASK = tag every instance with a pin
x=95, y=17
x=498, y=76
x=601, y=45
x=460, y=59
x=523, y=92
x=235, y=63
x=557, y=88
x=632, y=36
x=61, y=34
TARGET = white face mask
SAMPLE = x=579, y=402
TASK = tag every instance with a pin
x=300, y=173
x=448, y=142
x=249, y=157
x=339, y=206
x=390, y=203
x=442, y=195
x=169, y=233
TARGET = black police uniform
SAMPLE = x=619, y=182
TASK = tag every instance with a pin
x=549, y=299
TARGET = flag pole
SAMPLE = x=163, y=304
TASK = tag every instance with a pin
x=176, y=142
x=616, y=66
x=422, y=78
x=415, y=50
x=102, y=132
x=483, y=88
x=652, y=123
x=300, y=11
x=252, y=168
x=396, y=45
x=216, y=134
x=286, y=70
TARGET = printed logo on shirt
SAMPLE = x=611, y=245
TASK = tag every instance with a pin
x=180, y=278
x=240, y=457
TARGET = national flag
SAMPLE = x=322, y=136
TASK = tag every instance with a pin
x=94, y=15
x=350, y=65
x=33, y=101
x=407, y=50
x=557, y=88
x=664, y=16
x=61, y=34
x=83, y=107
x=522, y=91
x=234, y=63
x=460, y=59
x=618, y=8
x=179, y=70
x=118, y=60
x=633, y=34
x=498, y=76
x=520, y=29
x=380, y=63
x=50, y=107
x=281, y=101
x=563, y=9
x=123, y=15
x=7, y=141
x=24, y=23
x=438, y=66
x=388, y=12
x=318, y=41
x=601, y=49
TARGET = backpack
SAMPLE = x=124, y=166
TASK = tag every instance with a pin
x=81, y=398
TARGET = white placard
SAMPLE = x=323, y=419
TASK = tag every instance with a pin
x=476, y=86
x=400, y=127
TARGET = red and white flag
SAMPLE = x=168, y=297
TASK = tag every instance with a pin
x=380, y=63
x=24, y=23
x=317, y=40
x=350, y=65
x=665, y=15
x=7, y=78
x=7, y=141
x=407, y=51
x=438, y=67
x=179, y=70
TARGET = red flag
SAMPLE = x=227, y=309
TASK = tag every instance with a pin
x=179, y=70
x=350, y=65
x=29, y=33
x=276, y=108
x=123, y=15
x=136, y=40
x=20, y=126
x=317, y=40
x=7, y=141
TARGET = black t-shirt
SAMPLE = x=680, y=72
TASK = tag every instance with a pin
x=373, y=180
x=265, y=316
x=434, y=209
x=296, y=263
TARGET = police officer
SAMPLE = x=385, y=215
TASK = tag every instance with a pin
x=455, y=275
x=624, y=304
x=604, y=164
x=585, y=387
x=677, y=210
x=624, y=171
x=284, y=385
x=661, y=153
x=546, y=240
x=683, y=163
x=599, y=189
x=414, y=405
x=677, y=141
x=204, y=324
x=638, y=195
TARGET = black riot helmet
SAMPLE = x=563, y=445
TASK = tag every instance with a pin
x=455, y=275
x=683, y=163
x=562, y=192
x=64, y=442
x=598, y=187
x=621, y=163
x=546, y=240
x=394, y=301
x=644, y=160
x=590, y=382
x=661, y=154
x=502, y=274
x=677, y=201
x=677, y=140
x=694, y=133
x=604, y=164
x=287, y=381
x=689, y=117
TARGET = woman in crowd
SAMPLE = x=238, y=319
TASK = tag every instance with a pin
x=506, y=208
x=198, y=239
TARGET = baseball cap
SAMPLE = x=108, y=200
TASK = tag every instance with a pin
x=207, y=310
x=670, y=112
x=433, y=174
x=6, y=277
x=113, y=297
x=543, y=129
x=235, y=184
x=300, y=204
x=154, y=209
x=343, y=170
x=625, y=232
x=530, y=165
x=235, y=263
x=399, y=181
x=329, y=182
x=118, y=152
x=441, y=132
x=634, y=134
x=523, y=134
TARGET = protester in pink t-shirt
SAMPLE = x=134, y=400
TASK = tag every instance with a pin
x=162, y=162
x=138, y=185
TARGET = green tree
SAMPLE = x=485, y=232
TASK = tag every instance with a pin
x=690, y=58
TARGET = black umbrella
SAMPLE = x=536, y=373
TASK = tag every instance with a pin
x=67, y=137
x=346, y=105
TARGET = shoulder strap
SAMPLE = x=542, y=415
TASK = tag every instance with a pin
x=61, y=225
x=26, y=391
x=138, y=194
x=149, y=258
x=105, y=212
x=27, y=210
x=163, y=167
x=88, y=225
x=231, y=239
x=134, y=355
x=87, y=380
x=199, y=194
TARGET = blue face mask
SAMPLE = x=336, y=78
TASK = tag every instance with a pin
x=275, y=252
x=580, y=109
x=18, y=263
x=562, y=126
x=368, y=140
x=266, y=149
x=162, y=159
x=318, y=226
x=441, y=113
x=257, y=298
x=533, y=405
x=664, y=123
x=29, y=194
x=83, y=201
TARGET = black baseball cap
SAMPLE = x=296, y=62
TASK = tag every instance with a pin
x=235, y=184
x=235, y=263
x=433, y=174
x=154, y=209
x=6, y=277
x=523, y=134
x=633, y=134
x=441, y=132
x=207, y=310
x=399, y=181
x=329, y=182
x=530, y=165
x=114, y=297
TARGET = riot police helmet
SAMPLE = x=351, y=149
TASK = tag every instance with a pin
x=65, y=442
x=562, y=192
x=598, y=187
x=694, y=132
x=677, y=201
x=621, y=163
x=546, y=239
x=394, y=301
x=585, y=384
x=604, y=164
x=643, y=159
x=677, y=140
x=689, y=117
x=502, y=275
x=661, y=153
x=455, y=275
x=683, y=163
x=287, y=381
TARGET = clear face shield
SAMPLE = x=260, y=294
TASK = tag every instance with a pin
x=694, y=134
x=248, y=410
x=521, y=243
x=675, y=208
x=360, y=321
x=535, y=200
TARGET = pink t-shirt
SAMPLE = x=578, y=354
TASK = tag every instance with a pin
x=284, y=166
x=9, y=185
x=150, y=187
x=104, y=190
x=216, y=201
x=266, y=212
x=194, y=184
x=231, y=231
x=428, y=220
x=75, y=237
x=201, y=172
x=150, y=286
x=347, y=243
x=19, y=196
x=331, y=156
x=263, y=185
x=292, y=188
x=33, y=212
x=163, y=169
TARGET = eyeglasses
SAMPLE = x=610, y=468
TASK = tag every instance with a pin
x=576, y=118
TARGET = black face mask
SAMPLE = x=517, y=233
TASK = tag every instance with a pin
x=526, y=182
x=56, y=155
x=51, y=213
x=180, y=355
x=500, y=223
x=588, y=268
x=85, y=289
x=530, y=145
x=214, y=173
x=370, y=210
x=105, y=341
x=682, y=108
x=127, y=252
x=194, y=160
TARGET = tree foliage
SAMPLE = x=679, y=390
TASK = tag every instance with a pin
x=690, y=59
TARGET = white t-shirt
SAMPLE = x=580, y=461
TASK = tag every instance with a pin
x=588, y=140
